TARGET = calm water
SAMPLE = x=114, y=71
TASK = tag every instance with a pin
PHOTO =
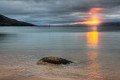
x=96, y=53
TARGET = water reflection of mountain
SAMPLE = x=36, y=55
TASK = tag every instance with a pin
x=4, y=36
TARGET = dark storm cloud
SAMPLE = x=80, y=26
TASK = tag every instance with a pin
x=53, y=11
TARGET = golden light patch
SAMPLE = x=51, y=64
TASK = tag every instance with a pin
x=94, y=18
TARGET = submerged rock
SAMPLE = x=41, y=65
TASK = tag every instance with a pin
x=53, y=60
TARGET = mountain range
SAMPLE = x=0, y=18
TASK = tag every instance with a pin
x=5, y=21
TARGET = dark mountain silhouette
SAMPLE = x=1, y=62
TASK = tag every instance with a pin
x=5, y=21
x=110, y=24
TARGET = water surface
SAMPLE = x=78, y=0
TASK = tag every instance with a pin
x=96, y=53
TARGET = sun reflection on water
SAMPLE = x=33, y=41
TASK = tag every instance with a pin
x=94, y=70
x=92, y=39
x=93, y=67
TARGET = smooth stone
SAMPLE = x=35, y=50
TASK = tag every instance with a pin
x=53, y=60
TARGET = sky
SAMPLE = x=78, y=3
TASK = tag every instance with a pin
x=57, y=11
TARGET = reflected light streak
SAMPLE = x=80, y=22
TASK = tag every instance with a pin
x=93, y=68
x=94, y=71
x=92, y=39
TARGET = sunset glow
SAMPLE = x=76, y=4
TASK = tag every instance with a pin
x=94, y=18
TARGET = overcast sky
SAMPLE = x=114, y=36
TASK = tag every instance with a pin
x=57, y=11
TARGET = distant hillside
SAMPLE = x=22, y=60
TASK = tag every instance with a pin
x=5, y=21
x=110, y=24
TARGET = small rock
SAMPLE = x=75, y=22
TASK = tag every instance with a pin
x=53, y=60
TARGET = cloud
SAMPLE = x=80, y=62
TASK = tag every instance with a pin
x=53, y=11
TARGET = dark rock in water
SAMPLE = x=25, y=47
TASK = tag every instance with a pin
x=5, y=21
x=53, y=60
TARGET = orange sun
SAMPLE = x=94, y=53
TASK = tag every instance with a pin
x=94, y=17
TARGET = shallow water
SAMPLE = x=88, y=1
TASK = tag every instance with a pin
x=96, y=53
